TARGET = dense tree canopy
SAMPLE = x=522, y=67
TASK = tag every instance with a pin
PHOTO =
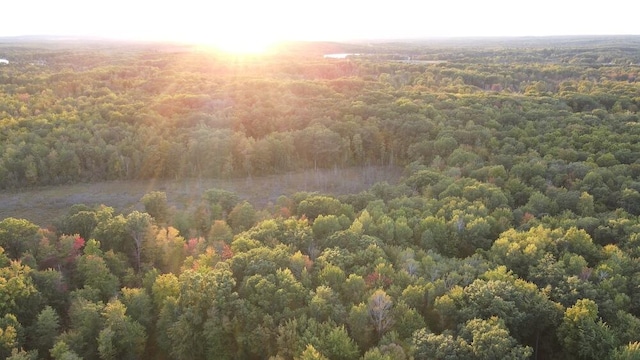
x=513, y=233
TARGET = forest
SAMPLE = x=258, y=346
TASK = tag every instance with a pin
x=513, y=232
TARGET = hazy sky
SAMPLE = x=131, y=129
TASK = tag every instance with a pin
x=271, y=20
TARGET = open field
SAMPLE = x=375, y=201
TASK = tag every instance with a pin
x=42, y=205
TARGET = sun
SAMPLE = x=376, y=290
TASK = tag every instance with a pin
x=242, y=44
x=236, y=27
x=236, y=43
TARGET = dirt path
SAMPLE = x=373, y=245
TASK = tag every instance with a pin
x=42, y=205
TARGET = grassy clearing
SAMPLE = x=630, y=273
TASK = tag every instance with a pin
x=42, y=205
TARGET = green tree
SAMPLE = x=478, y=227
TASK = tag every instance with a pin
x=310, y=353
x=361, y=327
x=62, y=351
x=582, y=334
x=11, y=335
x=376, y=354
x=220, y=231
x=316, y=205
x=353, y=289
x=16, y=288
x=81, y=220
x=332, y=276
x=407, y=320
x=477, y=339
x=85, y=324
x=630, y=351
x=45, y=330
x=280, y=295
x=112, y=233
x=403, y=232
x=18, y=236
x=155, y=204
x=436, y=236
x=164, y=286
x=521, y=250
x=528, y=313
x=325, y=305
x=95, y=274
x=185, y=318
x=220, y=203
x=338, y=345
x=324, y=226
x=242, y=217
x=490, y=339
x=23, y=355
x=139, y=306
x=121, y=337
x=51, y=286
x=585, y=205
x=319, y=145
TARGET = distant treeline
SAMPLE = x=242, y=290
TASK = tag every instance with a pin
x=76, y=116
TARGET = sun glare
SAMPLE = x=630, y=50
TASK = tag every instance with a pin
x=241, y=45
x=235, y=43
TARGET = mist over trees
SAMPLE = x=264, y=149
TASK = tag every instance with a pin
x=512, y=234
